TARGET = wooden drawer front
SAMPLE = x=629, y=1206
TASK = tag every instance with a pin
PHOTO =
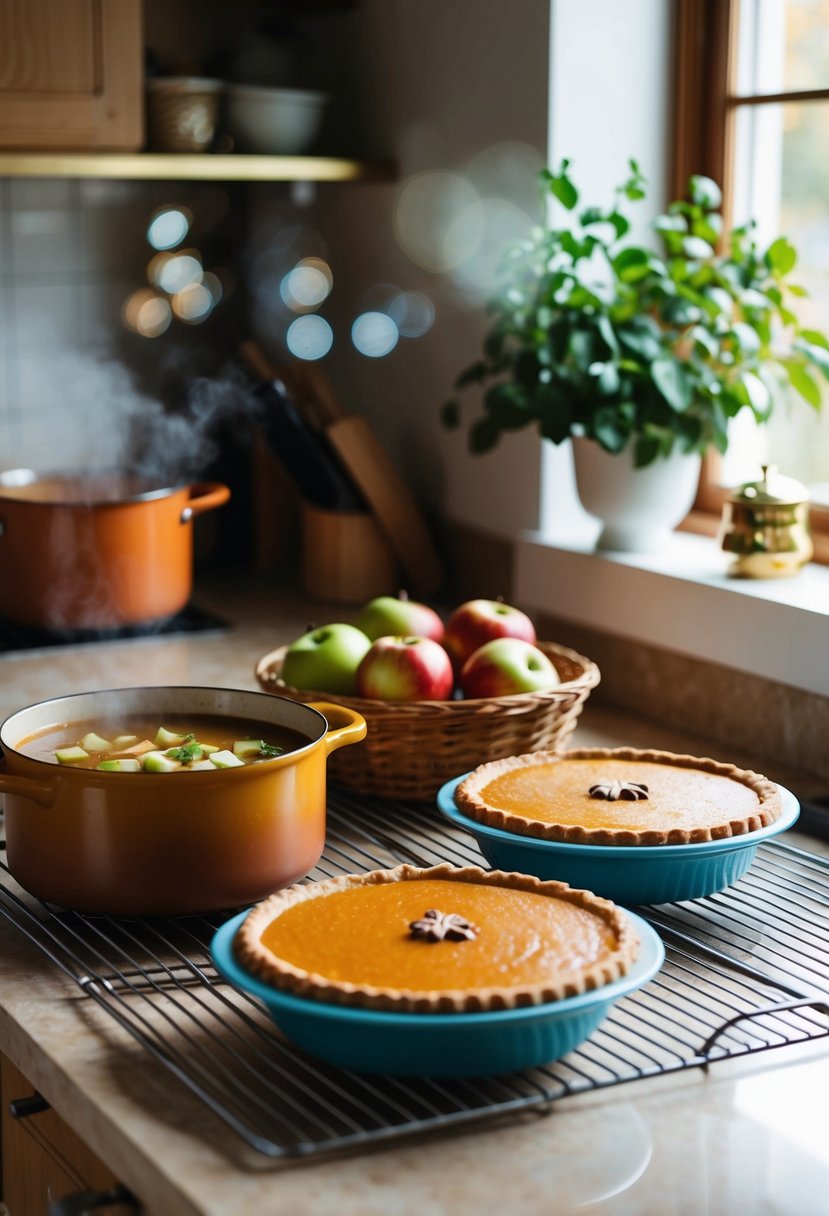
x=43, y=1159
x=71, y=74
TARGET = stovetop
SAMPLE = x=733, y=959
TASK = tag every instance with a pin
x=191, y=619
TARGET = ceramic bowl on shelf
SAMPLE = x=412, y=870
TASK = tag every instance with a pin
x=273, y=122
x=434, y=1044
x=627, y=874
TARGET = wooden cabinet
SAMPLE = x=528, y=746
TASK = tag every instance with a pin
x=71, y=74
x=43, y=1159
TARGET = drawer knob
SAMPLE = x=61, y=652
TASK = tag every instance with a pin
x=23, y=1108
x=80, y=1202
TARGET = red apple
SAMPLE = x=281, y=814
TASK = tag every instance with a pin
x=398, y=616
x=480, y=621
x=405, y=669
x=507, y=665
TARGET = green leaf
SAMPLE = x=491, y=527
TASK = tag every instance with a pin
x=696, y=247
x=804, y=384
x=798, y=291
x=705, y=340
x=815, y=338
x=483, y=435
x=746, y=337
x=507, y=404
x=608, y=334
x=670, y=223
x=758, y=395
x=450, y=415
x=816, y=355
x=563, y=189
x=555, y=411
x=672, y=383
x=631, y=264
x=582, y=349
x=606, y=376
x=473, y=375
x=781, y=256
x=646, y=451
x=608, y=429
x=705, y=192
x=620, y=223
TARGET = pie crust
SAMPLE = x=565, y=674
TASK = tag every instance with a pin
x=688, y=799
x=524, y=952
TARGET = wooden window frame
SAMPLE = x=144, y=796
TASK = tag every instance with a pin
x=705, y=105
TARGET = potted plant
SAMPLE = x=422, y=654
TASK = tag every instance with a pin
x=639, y=353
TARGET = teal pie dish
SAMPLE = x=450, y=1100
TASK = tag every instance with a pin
x=627, y=874
x=437, y=1044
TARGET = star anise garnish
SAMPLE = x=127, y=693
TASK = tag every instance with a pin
x=434, y=926
x=613, y=790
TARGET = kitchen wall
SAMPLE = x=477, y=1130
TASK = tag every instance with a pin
x=459, y=95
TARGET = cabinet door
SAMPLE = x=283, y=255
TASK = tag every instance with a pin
x=43, y=1158
x=71, y=74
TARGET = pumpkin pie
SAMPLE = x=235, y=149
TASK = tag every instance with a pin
x=442, y=939
x=618, y=796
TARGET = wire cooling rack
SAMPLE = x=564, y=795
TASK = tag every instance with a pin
x=746, y=970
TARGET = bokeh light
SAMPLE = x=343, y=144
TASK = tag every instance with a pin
x=438, y=220
x=147, y=313
x=176, y=271
x=374, y=334
x=502, y=224
x=168, y=227
x=194, y=304
x=307, y=285
x=412, y=312
x=309, y=337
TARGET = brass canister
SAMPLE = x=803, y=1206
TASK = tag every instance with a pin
x=765, y=525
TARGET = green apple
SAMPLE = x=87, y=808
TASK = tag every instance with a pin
x=399, y=617
x=505, y=666
x=326, y=659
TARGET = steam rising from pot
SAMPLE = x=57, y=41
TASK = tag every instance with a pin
x=106, y=422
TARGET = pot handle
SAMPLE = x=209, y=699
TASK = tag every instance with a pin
x=345, y=725
x=40, y=792
x=205, y=496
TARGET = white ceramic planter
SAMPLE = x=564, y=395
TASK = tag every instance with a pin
x=638, y=508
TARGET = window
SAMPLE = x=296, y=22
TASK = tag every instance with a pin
x=752, y=111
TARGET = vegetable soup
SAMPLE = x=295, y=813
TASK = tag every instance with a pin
x=181, y=743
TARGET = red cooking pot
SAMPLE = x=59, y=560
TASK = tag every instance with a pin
x=97, y=550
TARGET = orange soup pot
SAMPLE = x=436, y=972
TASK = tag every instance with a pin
x=145, y=844
x=97, y=550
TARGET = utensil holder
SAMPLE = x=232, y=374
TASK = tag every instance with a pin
x=345, y=556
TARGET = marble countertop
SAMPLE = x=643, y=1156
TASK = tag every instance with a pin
x=747, y=1135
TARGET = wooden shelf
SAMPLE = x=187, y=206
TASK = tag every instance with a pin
x=166, y=166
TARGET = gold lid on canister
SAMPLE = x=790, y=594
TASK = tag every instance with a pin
x=765, y=525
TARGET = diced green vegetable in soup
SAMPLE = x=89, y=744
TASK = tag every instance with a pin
x=71, y=755
x=169, y=738
x=119, y=766
x=94, y=743
x=247, y=748
x=187, y=743
x=158, y=762
x=225, y=759
x=256, y=749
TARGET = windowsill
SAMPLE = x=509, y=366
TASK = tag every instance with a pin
x=683, y=600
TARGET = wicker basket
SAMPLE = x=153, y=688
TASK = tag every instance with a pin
x=413, y=747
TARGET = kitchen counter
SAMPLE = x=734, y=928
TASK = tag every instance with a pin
x=745, y=1136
